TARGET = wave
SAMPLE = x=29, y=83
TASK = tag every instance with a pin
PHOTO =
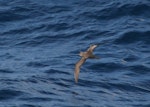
x=6, y=71
x=109, y=67
x=114, y=11
x=39, y=45
x=7, y=94
x=134, y=37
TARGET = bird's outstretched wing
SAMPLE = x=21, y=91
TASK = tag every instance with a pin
x=77, y=68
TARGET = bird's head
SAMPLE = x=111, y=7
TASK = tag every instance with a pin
x=93, y=46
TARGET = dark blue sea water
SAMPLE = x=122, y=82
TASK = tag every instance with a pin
x=39, y=45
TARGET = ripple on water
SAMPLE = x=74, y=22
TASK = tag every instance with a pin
x=29, y=105
x=6, y=94
x=133, y=37
x=40, y=40
x=6, y=71
x=103, y=67
x=55, y=72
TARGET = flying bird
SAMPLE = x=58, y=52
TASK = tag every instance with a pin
x=84, y=55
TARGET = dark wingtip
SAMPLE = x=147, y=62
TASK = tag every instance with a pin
x=76, y=80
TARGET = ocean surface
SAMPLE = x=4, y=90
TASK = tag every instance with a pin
x=40, y=41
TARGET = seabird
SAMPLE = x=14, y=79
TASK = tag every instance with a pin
x=84, y=55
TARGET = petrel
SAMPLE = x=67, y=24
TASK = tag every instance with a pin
x=84, y=55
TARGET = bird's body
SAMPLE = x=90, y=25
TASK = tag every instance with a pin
x=84, y=56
